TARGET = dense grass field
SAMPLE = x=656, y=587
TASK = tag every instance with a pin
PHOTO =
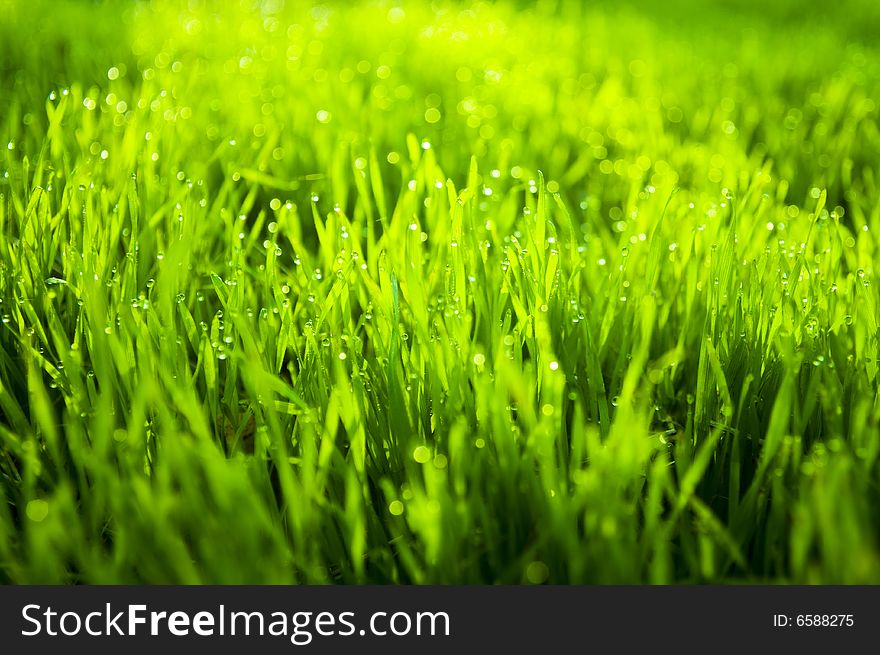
x=500, y=292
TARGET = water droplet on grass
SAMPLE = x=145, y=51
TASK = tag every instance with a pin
x=37, y=510
x=421, y=454
x=537, y=572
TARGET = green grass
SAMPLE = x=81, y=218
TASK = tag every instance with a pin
x=499, y=293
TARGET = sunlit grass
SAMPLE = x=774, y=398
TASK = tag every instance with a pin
x=368, y=292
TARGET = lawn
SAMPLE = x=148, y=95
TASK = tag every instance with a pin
x=410, y=292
